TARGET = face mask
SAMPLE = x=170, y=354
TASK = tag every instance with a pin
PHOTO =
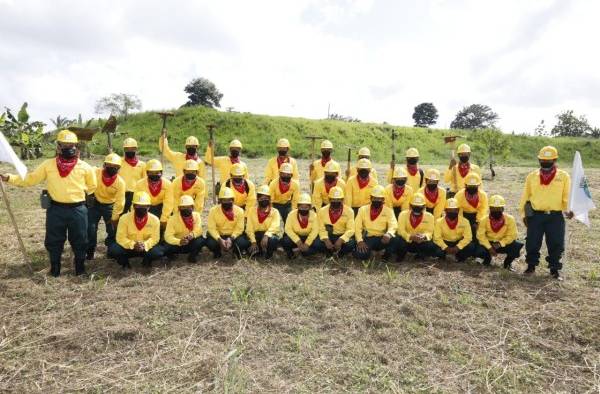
x=186, y=213
x=141, y=212
x=111, y=171
x=546, y=164
x=282, y=153
x=471, y=190
x=376, y=204
x=363, y=173
x=285, y=179
x=237, y=181
x=154, y=178
x=68, y=153
x=432, y=186
x=496, y=214
x=130, y=154
x=400, y=182
x=234, y=153
x=325, y=154
x=451, y=215
x=464, y=159
x=227, y=205
x=417, y=210
x=191, y=150
x=330, y=178
x=336, y=204
x=412, y=161
x=190, y=177
x=303, y=212
x=264, y=203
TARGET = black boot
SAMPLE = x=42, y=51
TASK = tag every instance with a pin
x=55, y=268
x=124, y=263
x=192, y=258
x=508, y=264
x=79, y=266
x=487, y=261
x=89, y=255
x=556, y=274
x=530, y=269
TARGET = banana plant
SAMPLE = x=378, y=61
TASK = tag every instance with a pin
x=28, y=136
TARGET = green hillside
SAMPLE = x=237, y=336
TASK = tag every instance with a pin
x=259, y=133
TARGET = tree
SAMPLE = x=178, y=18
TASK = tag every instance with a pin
x=475, y=116
x=29, y=136
x=496, y=145
x=425, y=115
x=61, y=122
x=570, y=125
x=119, y=104
x=203, y=92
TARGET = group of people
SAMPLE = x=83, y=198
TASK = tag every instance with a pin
x=149, y=216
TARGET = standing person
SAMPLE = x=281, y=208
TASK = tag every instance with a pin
x=363, y=153
x=284, y=191
x=435, y=196
x=109, y=200
x=244, y=190
x=132, y=170
x=415, y=230
x=416, y=175
x=184, y=231
x=223, y=164
x=283, y=156
x=317, y=167
x=358, y=188
x=189, y=184
x=225, y=225
x=473, y=201
x=336, y=225
x=545, y=198
x=452, y=234
x=398, y=193
x=68, y=180
x=375, y=227
x=497, y=234
x=302, y=230
x=158, y=188
x=178, y=159
x=138, y=234
x=323, y=185
x=465, y=167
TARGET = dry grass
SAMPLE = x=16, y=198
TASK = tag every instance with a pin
x=305, y=326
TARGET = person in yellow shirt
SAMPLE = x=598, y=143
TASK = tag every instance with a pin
x=109, y=200
x=398, y=193
x=302, y=230
x=473, y=201
x=244, y=190
x=285, y=191
x=189, y=184
x=138, y=234
x=283, y=156
x=225, y=226
x=132, y=170
x=184, y=231
x=69, y=180
x=416, y=175
x=363, y=153
x=462, y=170
x=497, y=234
x=415, y=230
x=435, y=196
x=545, y=198
x=452, y=234
x=375, y=227
x=158, y=188
x=178, y=159
x=336, y=225
x=223, y=164
x=358, y=188
x=263, y=227
x=323, y=185
x=317, y=167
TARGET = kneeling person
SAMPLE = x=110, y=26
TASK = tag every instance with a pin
x=225, y=225
x=375, y=226
x=336, y=225
x=415, y=230
x=452, y=234
x=184, y=231
x=263, y=227
x=302, y=229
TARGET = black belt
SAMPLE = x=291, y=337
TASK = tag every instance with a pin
x=67, y=204
x=546, y=212
x=285, y=205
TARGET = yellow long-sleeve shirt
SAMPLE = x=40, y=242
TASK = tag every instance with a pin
x=354, y=172
x=271, y=226
x=218, y=225
x=405, y=229
x=460, y=181
x=131, y=175
x=385, y=223
x=462, y=233
x=343, y=227
x=197, y=192
x=403, y=202
x=552, y=197
x=222, y=164
x=160, y=198
x=440, y=203
x=414, y=181
x=272, y=170
x=292, y=195
x=505, y=236
x=113, y=194
x=318, y=170
x=70, y=189
x=295, y=231
x=320, y=194
x=178, y=159
x=356, y=197
x=246, y=200
x=482, y=206
x=128, y=234
x=176, y=228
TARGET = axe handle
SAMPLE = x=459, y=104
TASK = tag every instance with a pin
x=454, y=174
x=348, y=160
x=212, y=166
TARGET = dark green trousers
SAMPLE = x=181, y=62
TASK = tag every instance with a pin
x=95, y=213
x=64, y=223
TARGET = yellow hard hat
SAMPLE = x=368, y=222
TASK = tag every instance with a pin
x=548, y=153
x=130, y=143
x=286, y=168
x=432, y=174
x=67, y=137
x=363, y=164
x=237, y=170
x=463, y=148
x=186, y=201
x=235, y=144
x=283, y=143
x=399, y=172
x=364, y=151
x=473, y=179
x=336, y=192
x=326, y=144
x=191, y=141
x=378, y=191
x=305, y=199
x=264, y=190
x=154, y=165
x=191, y=165
x=452, y=203
x=141, y=198
x=225, y=192
x=332, y=167
x=417, y=199
x=412, y=152
x=113, y=158
x=497, y=201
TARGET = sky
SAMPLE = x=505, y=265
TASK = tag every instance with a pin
x=374, y=60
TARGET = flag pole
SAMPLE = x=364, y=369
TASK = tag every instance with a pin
x=14, y=223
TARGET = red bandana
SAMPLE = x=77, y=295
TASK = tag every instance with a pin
x=303, y=220
x=140, y=222
x=329, y=185
x=263, y=215
x=335, y=214
x=416, y=220
x=398, y=191
x=451, y=223
x=191, y=157
x=412, y=169
x=188, y=221
x=185, y=184
x=473, y=199
x=132, y=162
x=463, y=169
x=65, y=166
x=281, y=160
x=234, y=160
x=228, y=214
x=432, y=196
x=547, y=177
x=496, y=224
x=108, y=180
x=375, y=212
x=284, y=187
x=240, y=189
x=325, y=161
x=362, y=183
x=155, y=187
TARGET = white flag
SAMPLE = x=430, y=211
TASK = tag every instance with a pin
x=580, y=198
x=8, y=155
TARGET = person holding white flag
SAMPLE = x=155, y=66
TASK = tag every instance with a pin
x=580, y=198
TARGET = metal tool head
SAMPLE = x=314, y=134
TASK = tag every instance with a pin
x=164, y=115
x=452, y=138
x=84, y=134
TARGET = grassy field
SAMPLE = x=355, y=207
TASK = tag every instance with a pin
x=302, y=326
